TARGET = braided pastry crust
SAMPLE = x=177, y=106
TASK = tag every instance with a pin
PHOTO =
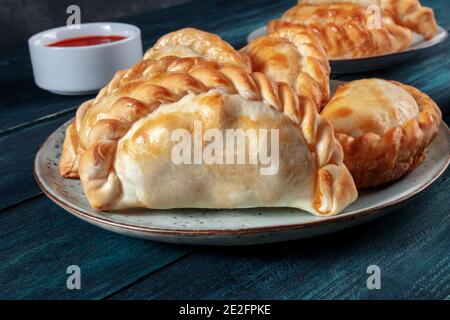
x=295, y=58
x=120, y=141
x=407, y=13
x=344, y=31
x=384, y=128
x=190, y=42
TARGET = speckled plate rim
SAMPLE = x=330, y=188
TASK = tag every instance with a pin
x=349, y=216
x=440, y=37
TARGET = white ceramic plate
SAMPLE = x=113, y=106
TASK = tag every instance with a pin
x=233, y=227
x=418, y=46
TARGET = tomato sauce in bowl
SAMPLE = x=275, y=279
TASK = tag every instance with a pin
x=76, y=61
x=85, y=41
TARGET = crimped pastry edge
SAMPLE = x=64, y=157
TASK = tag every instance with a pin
x=334, y=187
x=373, y=160
x=318, y=79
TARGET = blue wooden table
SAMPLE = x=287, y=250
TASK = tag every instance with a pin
x=39, y=240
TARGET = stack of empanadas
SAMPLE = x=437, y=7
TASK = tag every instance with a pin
x=121, y=143
x=383, y=126
x=359, y=28
x=137, y=143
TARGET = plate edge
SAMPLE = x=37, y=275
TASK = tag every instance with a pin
x=230, y=232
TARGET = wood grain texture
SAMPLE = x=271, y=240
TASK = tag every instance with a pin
x=17, y=152
x=25, y=102
x=411, y=246
x=39, y=240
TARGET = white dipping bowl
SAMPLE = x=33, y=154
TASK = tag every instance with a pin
x=85, y=69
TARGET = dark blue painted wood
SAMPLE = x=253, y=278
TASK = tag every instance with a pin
x=411, y=246
x=17, y=152
x=24, y=101
x=39, y=240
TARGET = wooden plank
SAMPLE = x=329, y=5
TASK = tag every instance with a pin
x=232, y=20
x=17, y=152
x=411, y=246
x=24, y=101
x=40, y=240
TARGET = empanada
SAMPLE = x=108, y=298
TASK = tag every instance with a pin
x=384, y=128
x=407, y=13
x=295, y=58
x=121, y=144
x=346, y=29
x=191, y=42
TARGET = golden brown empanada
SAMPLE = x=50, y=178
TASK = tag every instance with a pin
x=384, y=128
x=295, y=58
x=407, y=13
x=191, y=42
x=121, y=144
x=344, y=30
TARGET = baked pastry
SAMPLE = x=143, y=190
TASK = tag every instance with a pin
x=295, y=58
x=384, y=128
x=121, y=144
x=344, y=30
x=407, y=13
x=169, y=49
x=191, y=42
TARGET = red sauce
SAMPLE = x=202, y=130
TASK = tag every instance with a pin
x=85, y=41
